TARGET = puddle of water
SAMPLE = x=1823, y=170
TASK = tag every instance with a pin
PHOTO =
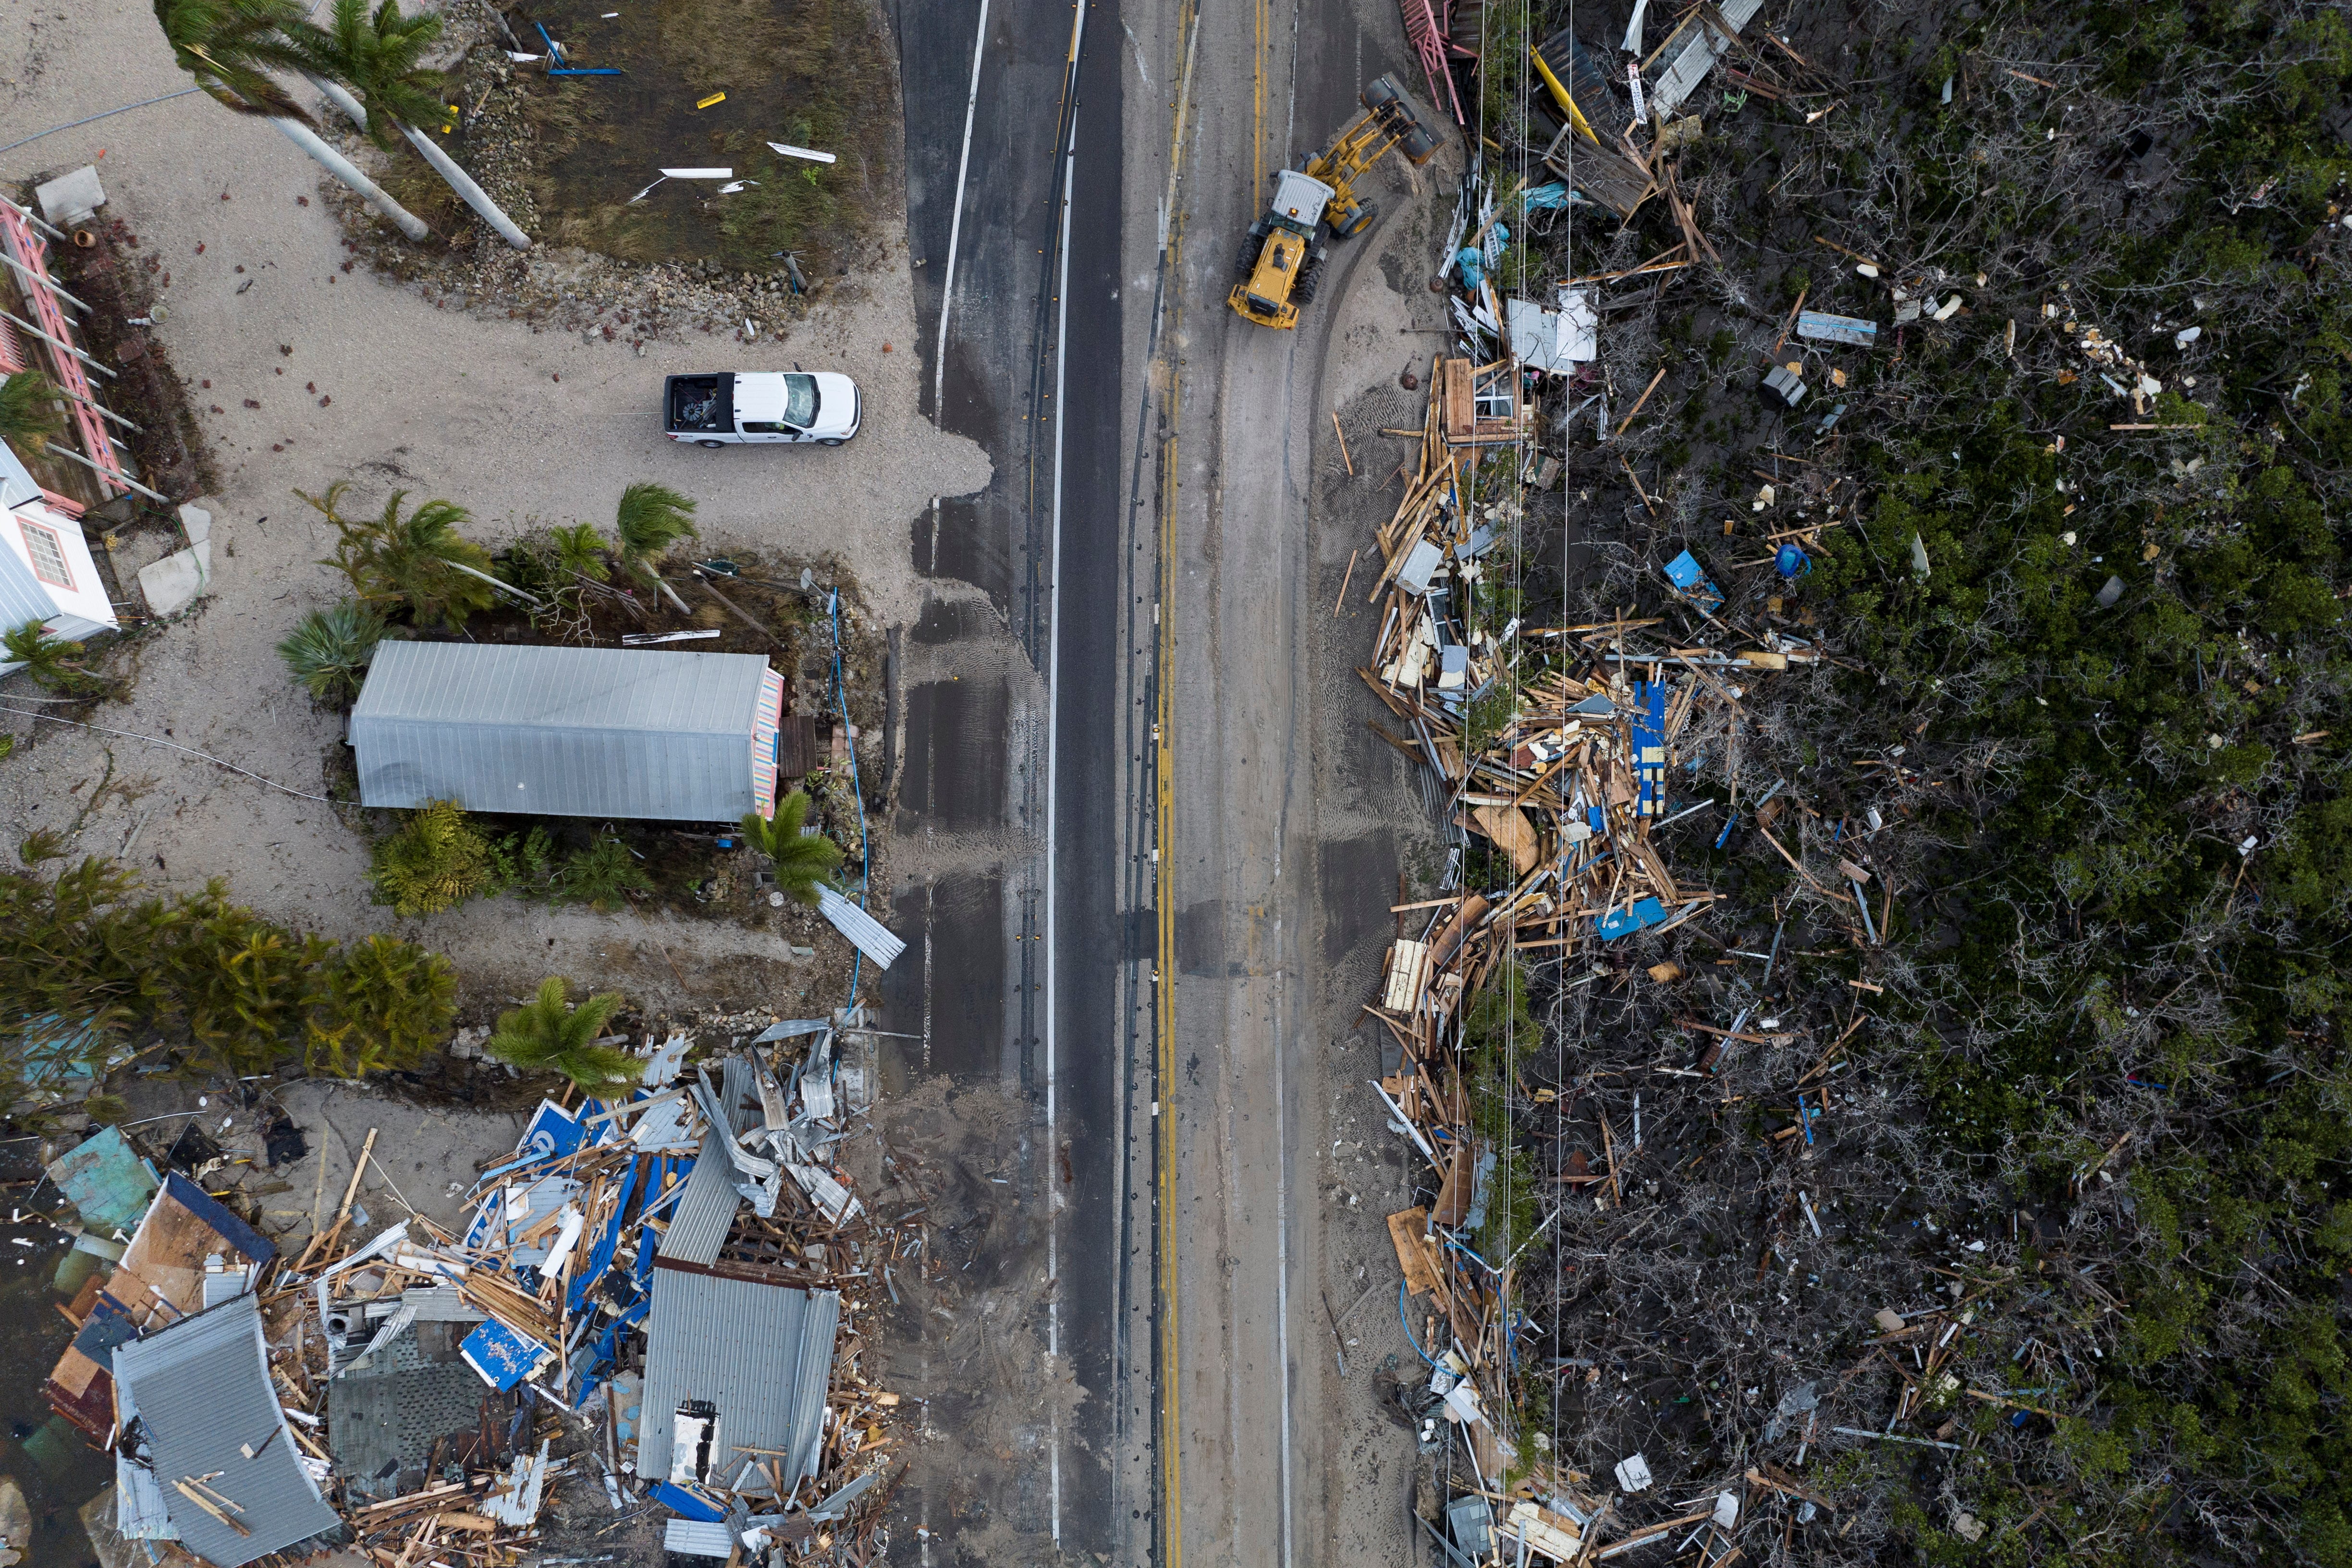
x=810, y=73
x=54, y=1465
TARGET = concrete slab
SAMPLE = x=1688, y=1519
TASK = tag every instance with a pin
x=197, y=522
x=177, y=581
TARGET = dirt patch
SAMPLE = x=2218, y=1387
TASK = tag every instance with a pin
x=809, y=73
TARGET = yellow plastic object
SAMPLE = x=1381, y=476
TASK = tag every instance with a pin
x=707, y=102
x=1559, y=95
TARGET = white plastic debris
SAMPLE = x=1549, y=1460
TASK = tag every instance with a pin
x=1633, y=1473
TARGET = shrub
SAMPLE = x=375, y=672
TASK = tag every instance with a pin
x=385, y=1004
x=435, y=859
x=602, y=876
x=328, y=651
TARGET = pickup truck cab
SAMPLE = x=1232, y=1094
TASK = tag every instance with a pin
x=734, y=408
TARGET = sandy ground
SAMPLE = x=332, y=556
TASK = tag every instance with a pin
x=517, y=423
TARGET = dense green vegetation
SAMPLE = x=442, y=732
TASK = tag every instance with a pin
x=2139, y=912
x=95, y=964
x=2101, y=674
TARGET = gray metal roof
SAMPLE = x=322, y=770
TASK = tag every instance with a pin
x=761, y=1353
x=705, y=1211
x=563, y=731
x=201, y=1390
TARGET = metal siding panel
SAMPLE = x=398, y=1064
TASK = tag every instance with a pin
x=202, y=1388
x=813, y=1379
x=22, y=597
x=739, y=1344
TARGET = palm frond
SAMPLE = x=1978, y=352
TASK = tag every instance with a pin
x=547, y=1034
x=804, y=860
x=652, y=519
x=329, y=650
x=28, y=408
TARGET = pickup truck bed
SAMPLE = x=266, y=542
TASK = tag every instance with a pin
x=700, y=403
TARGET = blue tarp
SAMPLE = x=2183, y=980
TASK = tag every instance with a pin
x=686, y=1504
x=1686, y=574
x=1625, y=923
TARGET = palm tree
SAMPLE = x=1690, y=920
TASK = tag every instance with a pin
x=53, y=664
x=420, y=561
x=329, y=650
x=802, y=860
x=547, y=1034
x=652, y=519
x=378, y=56
x=580, y=550
x=230, y=46
x=29, y=409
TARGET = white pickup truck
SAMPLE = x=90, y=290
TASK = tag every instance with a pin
x=735, y=406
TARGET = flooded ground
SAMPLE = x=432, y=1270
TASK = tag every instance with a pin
x=42, y=1452
x=815, y=74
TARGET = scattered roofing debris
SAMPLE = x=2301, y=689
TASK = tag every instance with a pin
x=421, y=1393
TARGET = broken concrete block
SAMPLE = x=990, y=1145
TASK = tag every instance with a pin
x=73, y=199
x=198, y=522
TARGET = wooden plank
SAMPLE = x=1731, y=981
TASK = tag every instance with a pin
x=1408, y=1231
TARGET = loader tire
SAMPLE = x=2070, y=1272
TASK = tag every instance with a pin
x=1245, y=260
x=1309, y=275
x=1362, y=220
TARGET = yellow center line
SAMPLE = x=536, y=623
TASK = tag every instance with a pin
x=1258, y=97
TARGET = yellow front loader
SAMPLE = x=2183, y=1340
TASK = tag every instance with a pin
x=1284, y=251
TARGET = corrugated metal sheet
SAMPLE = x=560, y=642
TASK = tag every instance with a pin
x=202, y=1389
x=562, y=732
x=761, y=1353
x=699, y=1537
x=1701, y=48
x=870, y=936
x=698, y=1226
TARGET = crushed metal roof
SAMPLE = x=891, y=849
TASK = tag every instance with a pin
x=761, y=1353
x=201, y=1389
x=568, y=731
x=698, y=1226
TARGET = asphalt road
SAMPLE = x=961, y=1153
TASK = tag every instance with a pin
x=1122, y=898
x=1261, y=1477
x=1012, y=131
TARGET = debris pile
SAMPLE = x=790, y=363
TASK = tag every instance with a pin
x=655, y=1298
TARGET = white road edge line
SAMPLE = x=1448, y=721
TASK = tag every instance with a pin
x=955, y=223
x=1052, y=752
